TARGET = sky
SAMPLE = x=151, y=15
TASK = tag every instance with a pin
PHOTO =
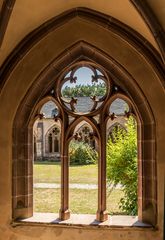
x=83, y=75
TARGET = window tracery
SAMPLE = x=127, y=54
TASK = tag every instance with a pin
x=85, y=93
x=54, y=140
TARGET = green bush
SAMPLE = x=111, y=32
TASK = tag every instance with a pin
x=82, y=153
x=122, y=165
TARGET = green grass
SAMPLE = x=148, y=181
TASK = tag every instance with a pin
x=51, y=173
x=81, y=201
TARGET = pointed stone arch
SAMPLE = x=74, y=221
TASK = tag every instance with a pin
x=22, y=131
x=55, y=140
x=105, y=21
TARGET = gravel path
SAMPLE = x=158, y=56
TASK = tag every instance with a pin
x=72, y=186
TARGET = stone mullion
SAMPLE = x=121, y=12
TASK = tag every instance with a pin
x=101, y=212
x=64, y=211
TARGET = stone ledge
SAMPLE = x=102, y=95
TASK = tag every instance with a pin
x=83, y=220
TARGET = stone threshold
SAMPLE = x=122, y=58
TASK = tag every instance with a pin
x=83, y=220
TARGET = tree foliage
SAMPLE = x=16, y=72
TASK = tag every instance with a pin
x=84, y=90
x=122, y=165
x=82, y=153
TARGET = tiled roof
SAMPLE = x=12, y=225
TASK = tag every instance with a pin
x=84, y=104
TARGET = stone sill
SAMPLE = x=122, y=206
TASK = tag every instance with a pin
x=84, y=220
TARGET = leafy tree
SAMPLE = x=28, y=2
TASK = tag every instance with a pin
x=85, y=90
x=82, y=153
x=122, y=165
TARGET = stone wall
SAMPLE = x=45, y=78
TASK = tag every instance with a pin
x=140, y=76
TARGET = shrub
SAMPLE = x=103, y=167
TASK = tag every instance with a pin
x=122, y=165
x=82, y=153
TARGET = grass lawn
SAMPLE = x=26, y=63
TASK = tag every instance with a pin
x=51, y=173
x=81, y=201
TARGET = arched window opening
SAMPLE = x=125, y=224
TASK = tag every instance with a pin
x=47, y=167
x=80, y=110
x=56, y=145
x=50, y=142
x=53, y=138
x=83, y=171
x=122, y=164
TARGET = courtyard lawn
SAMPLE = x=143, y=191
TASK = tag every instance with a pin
x=81, y=201
x=47, y=172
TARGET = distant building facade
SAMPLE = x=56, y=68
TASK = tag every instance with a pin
x=47, y=132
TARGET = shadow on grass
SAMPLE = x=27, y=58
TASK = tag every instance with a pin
x=81, y=165
x=59, y=163
x=46, y=163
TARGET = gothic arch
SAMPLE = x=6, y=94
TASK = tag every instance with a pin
x=110, y=129
x=58, y=138
x=83, y=125
x=153, y=23
x=81, y=119
x=107, y=22
x=22, y=139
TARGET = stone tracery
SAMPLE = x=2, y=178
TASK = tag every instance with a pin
x=71, y=98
